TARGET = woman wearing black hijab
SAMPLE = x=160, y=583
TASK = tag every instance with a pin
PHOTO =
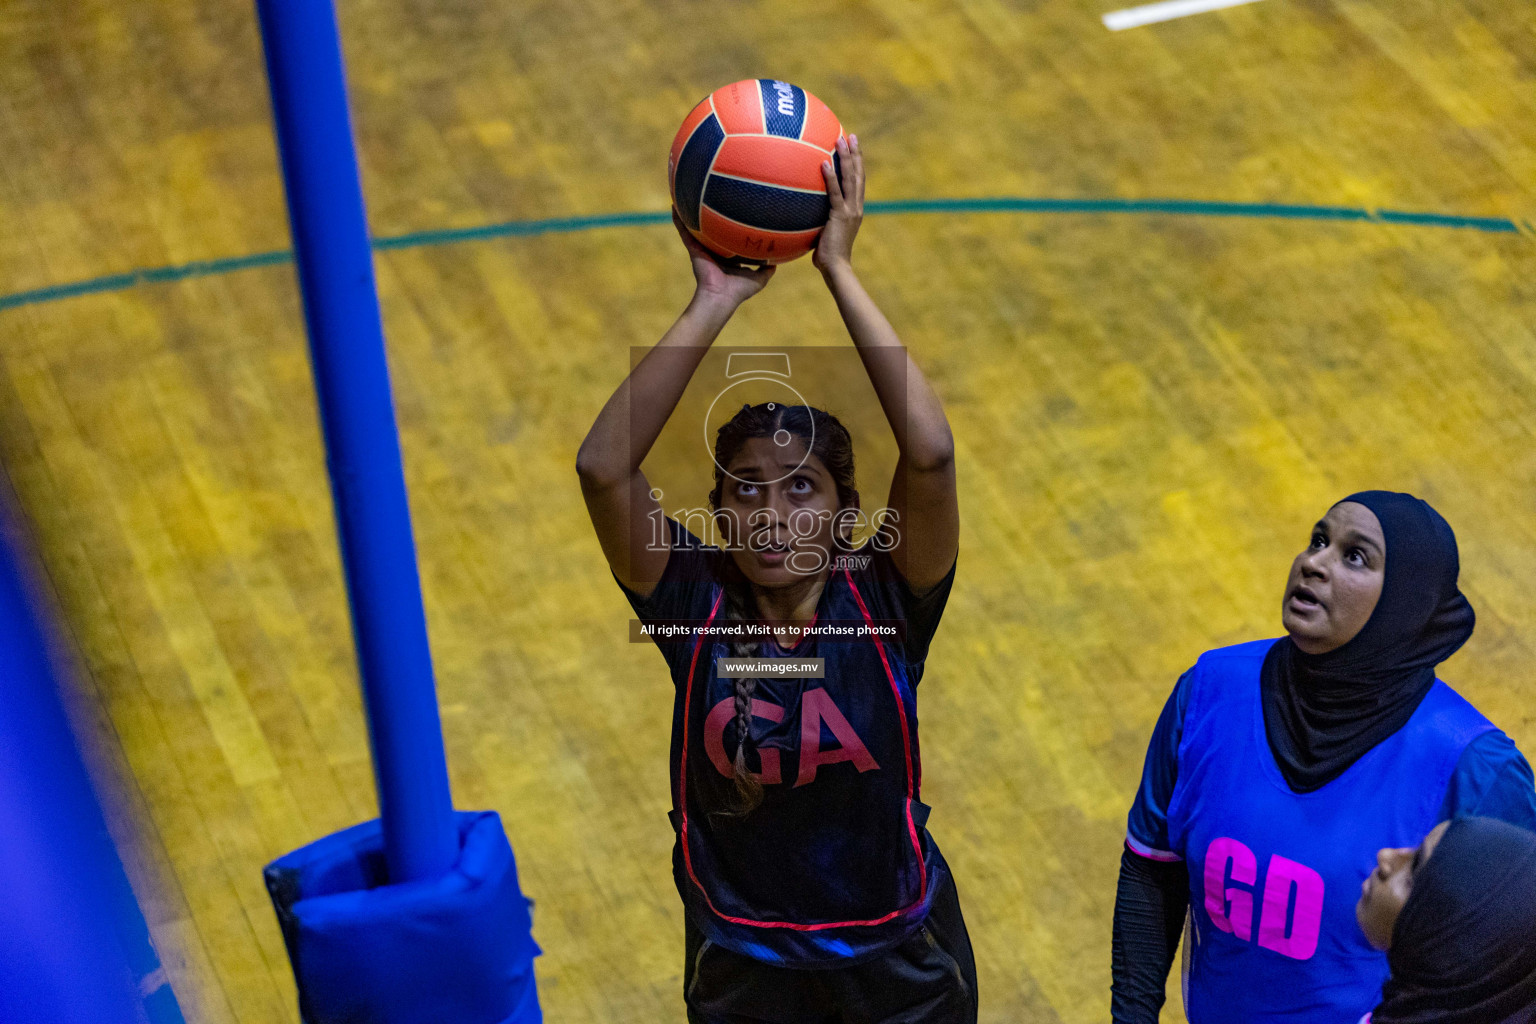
x=1457, y=917
x=1278, y=768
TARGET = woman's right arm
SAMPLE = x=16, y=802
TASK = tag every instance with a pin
x=1150, y=905
x=617, y=494
x=1153, y=895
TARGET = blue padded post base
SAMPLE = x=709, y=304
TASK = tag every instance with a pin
x=457, y=949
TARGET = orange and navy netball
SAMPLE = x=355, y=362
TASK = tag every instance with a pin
x=746, y=170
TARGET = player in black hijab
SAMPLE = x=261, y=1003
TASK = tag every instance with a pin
x=1323, y=711
x=1457, y=917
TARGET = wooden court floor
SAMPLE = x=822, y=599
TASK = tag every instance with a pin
x=1149, y=411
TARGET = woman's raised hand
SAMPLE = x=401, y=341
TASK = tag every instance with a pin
x=716, y=280
x=835, y=247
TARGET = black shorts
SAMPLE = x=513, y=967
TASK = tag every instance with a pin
x=930, y=978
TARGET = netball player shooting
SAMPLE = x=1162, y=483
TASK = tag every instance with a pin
x=812, y=890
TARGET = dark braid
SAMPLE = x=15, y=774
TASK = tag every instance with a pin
x=834, y=447
x=740, y=606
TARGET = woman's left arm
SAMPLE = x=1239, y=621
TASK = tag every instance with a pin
x=926, y=531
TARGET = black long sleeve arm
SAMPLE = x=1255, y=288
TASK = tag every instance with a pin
x=1150, y=904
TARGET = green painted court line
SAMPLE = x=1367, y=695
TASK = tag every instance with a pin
x=1441, y=220
x=154, y=275
x=520, y=227
x=1191, y=207
x=558, y=225
x=1181, y=207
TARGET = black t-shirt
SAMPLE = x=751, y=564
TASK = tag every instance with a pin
x=834, y=865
